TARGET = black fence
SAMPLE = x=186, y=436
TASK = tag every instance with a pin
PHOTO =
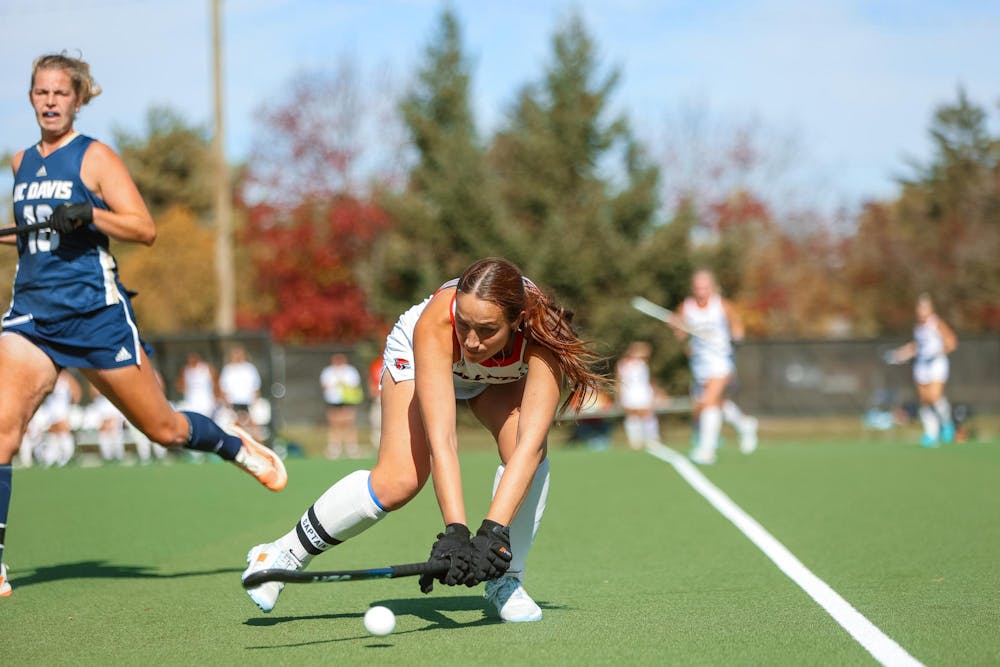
x=847, y=377
x=782, y=378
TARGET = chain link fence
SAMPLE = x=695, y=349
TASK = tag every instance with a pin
x=779, y=378
x=847, y=377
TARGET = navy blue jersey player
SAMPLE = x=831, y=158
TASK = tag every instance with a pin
x=69, y=309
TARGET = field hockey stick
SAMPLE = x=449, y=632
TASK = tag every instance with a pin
x=25, y=229
x=647, y=307
x=295, y=577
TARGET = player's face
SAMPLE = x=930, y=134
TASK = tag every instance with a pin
x=702, y=287
x=54, y=101
x=482, y=329
x=924, y=311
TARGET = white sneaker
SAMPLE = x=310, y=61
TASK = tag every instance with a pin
x=267, y=557
x=703, y=455
x=748, y=435
x=5, y=588
x=512, y=602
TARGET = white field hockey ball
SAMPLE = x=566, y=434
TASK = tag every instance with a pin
x=380, y=621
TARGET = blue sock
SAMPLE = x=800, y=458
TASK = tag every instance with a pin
x=5, y=486
x=206, y=436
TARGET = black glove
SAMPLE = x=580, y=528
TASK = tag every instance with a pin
x=68, y=217
x=490, y=553
x=453, y=549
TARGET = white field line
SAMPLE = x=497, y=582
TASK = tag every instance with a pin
x=882, y=647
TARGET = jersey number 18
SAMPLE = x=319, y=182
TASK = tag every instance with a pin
x=44, y=240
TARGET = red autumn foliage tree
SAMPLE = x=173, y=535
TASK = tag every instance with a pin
x=307, y=226
x=303, y=258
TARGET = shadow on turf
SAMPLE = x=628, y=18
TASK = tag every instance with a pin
x=101, y=569
x=431, y=610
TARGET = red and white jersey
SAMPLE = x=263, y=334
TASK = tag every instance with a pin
x=928, y=339
x=469, y=379
x=711, y=326
x=494, y=370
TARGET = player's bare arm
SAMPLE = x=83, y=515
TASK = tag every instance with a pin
x=433, y=346
x=678, y=333
x=948, y=336
x=737, y=329
x=128, y=218
x=538, y=408
x=904, y=353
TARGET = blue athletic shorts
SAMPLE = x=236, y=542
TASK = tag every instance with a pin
x=105, y=338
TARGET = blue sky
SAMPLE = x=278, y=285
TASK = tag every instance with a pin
x=855, y=83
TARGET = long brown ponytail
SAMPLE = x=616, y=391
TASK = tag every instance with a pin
x=548, y=324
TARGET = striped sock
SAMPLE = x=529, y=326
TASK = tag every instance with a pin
x=5, y=489
x=348, y=508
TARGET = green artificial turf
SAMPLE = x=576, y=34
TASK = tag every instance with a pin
x=140, y=565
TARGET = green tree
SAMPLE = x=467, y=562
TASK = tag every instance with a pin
x=941, y=235
x=578, y=185
x=449, y=214
x=170, y=162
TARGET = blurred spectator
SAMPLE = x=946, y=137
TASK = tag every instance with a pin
x=592, y=426
x=239, y=383
x=110, y=426
x=342, y=392
x=375, y=391
x=636, y=395
x=198, y=384
x=58, y=444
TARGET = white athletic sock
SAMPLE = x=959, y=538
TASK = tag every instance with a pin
x=524, y=527
x=732, y=414
x=709, y=425
x=28, y=444
x=348, y=508
x=48, y=450
x=143, y=445
x=66, y=448
x=929, y=419
x=651, y=429
x=943, y=409
x=633, y=431
x=105, y=446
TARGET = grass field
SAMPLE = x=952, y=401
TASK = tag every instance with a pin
x=141, y=565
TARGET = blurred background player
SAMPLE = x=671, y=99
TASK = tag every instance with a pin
x=110, y=426
x=933, y=341
x=342, y=394
x=68, y=308
x=58, y=444
x=375, y=369
x=198, y=384
x=491, y=338
x=714, y=324
x=239, y=385
x=636, y=395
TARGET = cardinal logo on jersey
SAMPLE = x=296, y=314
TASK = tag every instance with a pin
x=402, y=364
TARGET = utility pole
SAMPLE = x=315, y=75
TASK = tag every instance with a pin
x=225, y=309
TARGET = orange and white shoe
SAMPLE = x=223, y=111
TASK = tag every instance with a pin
x=260, y=461
x=5, y=588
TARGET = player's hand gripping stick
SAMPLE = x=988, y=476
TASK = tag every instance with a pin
x=454, y=548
